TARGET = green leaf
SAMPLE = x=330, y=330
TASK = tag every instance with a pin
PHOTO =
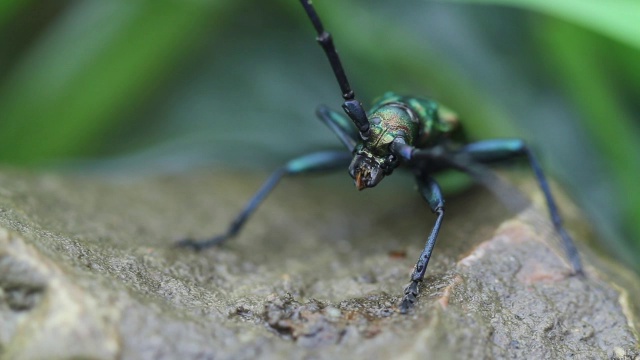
x=10, y=7
x=613, y=131
x=97, y=61
x=617, y=19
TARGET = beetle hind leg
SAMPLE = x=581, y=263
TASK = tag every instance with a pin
x=489, y=151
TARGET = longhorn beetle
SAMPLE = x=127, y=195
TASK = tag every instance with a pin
x=405, y=131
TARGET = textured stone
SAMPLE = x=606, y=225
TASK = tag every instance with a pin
x=88, y=270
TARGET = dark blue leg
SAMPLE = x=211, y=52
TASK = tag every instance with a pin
x=503, y=149
x=340, y=125
x=318, y=161
x=431, y=193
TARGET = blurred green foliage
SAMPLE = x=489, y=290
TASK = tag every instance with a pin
x=173, y=84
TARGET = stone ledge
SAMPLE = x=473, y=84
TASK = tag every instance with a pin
x=87, y=270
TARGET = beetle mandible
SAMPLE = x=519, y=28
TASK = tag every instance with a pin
x=398, y=131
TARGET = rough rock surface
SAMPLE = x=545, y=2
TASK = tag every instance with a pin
x=87, y=270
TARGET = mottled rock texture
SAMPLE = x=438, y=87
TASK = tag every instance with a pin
x=88, y=270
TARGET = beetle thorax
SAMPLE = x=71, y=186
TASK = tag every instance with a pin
x=388, y=122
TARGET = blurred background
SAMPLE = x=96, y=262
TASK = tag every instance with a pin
x=165, y=86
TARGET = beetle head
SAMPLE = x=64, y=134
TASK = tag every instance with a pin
x=368, y=169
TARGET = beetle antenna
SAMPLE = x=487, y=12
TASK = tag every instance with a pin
x=351, y=106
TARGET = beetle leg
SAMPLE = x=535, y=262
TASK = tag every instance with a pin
x=430, y=191
x=340, y=125
x=318, y=161
x=504, y=149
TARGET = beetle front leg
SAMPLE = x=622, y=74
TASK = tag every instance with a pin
x=340, y=125
x=430, y=191
x=314, y=162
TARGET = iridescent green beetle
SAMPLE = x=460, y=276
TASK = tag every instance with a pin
x=393, y=118
x=410, y=132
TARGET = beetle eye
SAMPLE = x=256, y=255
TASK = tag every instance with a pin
x=375, y=120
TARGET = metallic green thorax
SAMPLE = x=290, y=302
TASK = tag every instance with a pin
x=421, y=122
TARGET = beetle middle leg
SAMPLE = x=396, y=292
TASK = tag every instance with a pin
x=314, y=162
x=319, y=161
x=430, y=191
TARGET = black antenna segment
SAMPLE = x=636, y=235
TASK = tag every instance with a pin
x=351, y=106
